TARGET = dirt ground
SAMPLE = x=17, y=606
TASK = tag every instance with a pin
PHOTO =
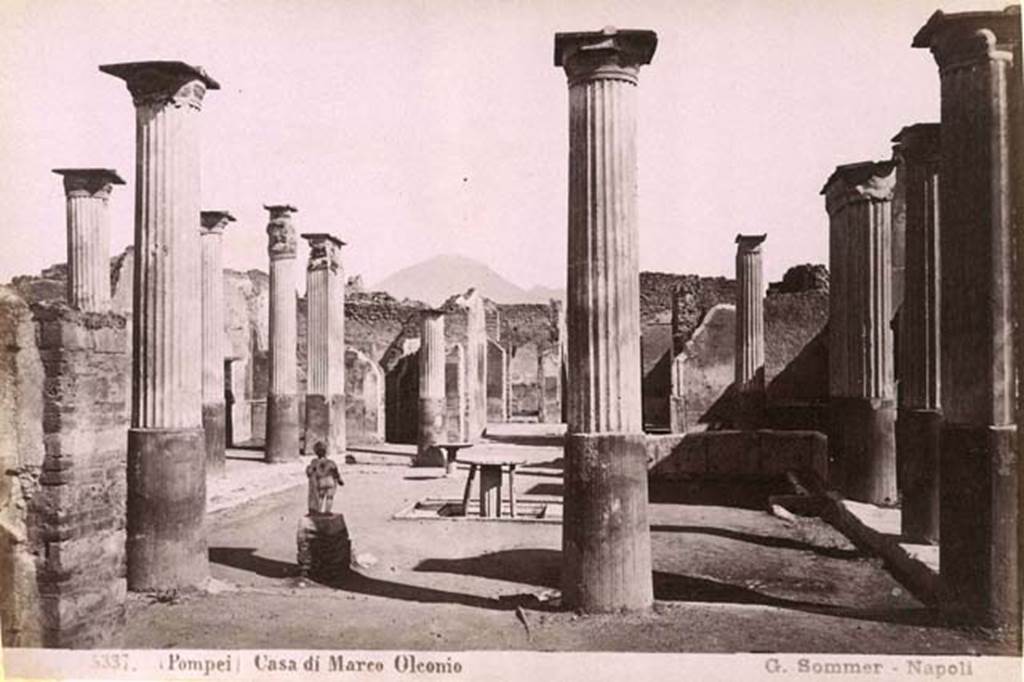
x=726, y=579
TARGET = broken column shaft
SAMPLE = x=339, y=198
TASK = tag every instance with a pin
x=749, y=330
x=862, y=387
x=978, y=54
x=606, y=552
x=166, y=543
x=431, y=389
x=918, y=421
x=282, y=439
x=325, y=335
x=87, y=191
x=211, y=236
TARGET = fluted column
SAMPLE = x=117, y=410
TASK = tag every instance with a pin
x=211, y=236
x=476, y=364
x=749, y=330
x=858, y=199
x=166, y=544
x=606, y=552
x=918, y=421
x=431, y=390
x=87, y=191
x=978, y=54
x=282, y=439
x=325, y=342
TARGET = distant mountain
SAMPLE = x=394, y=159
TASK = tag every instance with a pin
x=434, y=280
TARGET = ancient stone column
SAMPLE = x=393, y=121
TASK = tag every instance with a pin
x=282, y=439
x=978, y=54
x=858, y=198
x=87, y=191
x=166, y=544
x=606, y=551
x=749, y=330
x=212, y=224
x=919, y=420
x=325, y=338
x=431, y=390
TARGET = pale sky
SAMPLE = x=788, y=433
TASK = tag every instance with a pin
x=411, y=129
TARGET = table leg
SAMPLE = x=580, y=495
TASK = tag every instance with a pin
x=490, y=491
x=449, y=455
x=512, y=490
x=465, y=493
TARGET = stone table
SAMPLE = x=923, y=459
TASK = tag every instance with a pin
x=491, y=466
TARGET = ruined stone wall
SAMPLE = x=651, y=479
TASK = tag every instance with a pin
x=364, y=399
x=64, y=385
x=796, y=365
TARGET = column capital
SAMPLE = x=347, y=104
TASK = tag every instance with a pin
x=610, y=53
x=961, y=39
x=163, y=82
x=856, y=182
x=324, y=251
x=750, y=243
x=431, y=313
x=89, y=182
x=281, y=231
x=214, y=222
x=917, y=143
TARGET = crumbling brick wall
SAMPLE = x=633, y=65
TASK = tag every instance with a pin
x=65, y=378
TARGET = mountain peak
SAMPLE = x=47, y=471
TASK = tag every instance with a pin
x=437, y=278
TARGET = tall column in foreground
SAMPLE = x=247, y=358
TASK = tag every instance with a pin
x=978, y=54
x=166, y=544
x=431, y=392
x=325, y=335
x=282, y=440
x=606, y=550
x=749, y=330
x=87, y=191
x=858, y=199
x=919, y=421
x=211, y=233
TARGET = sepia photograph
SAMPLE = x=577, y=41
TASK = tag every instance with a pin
x=511, y=339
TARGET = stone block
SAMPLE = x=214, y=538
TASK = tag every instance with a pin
x=324, y=551
x=781, y=451
x=732, y=453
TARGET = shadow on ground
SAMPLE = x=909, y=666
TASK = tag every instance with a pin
x=541, y=568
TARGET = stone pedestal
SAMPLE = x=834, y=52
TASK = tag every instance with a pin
x=606, y=550
x=324, y=552
x=750, y=395
x=166, y=544
x=211, y=233
x=87, y=191
x=919, y=420
x=978, y=54
x=282, y=439
x=325, y=376
x=490, y=491
x=431, y=390
x=861, y=381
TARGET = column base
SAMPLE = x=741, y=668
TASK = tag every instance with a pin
x=431, y=432
x=166, y=506
x=918, y=435
x=606, y=542
x=215, y=428
x=863, y=443
x=978, y=555
x=749, y=409
x=282, y=441
x=325, y=422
